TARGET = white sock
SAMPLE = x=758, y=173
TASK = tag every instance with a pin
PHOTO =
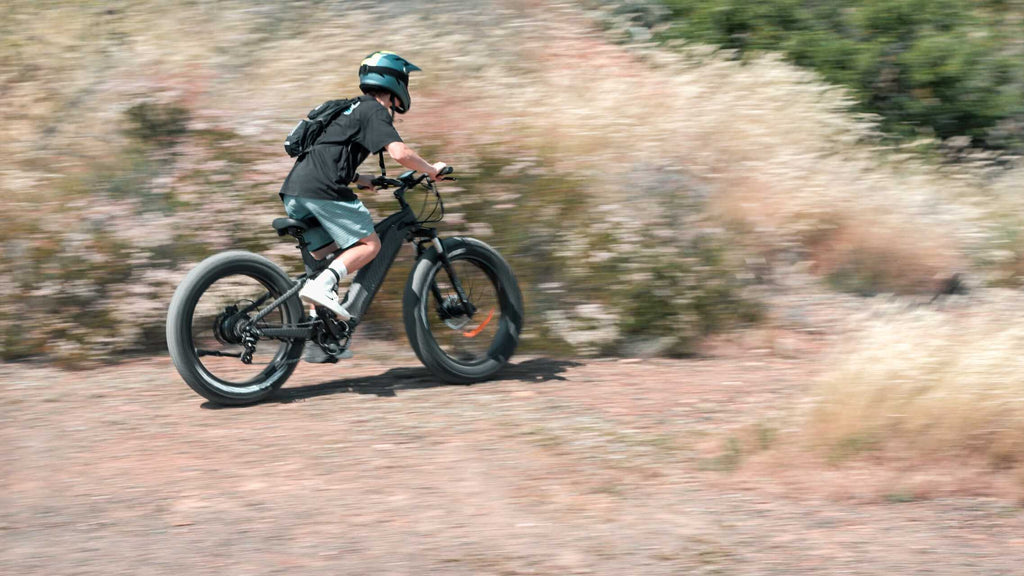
x=327, y=280
x=339, y=267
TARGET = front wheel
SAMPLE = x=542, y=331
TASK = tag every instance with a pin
x=207, y=328
x=461, y=342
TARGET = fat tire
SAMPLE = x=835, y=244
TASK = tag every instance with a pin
x=179, y=318
x=417, y=325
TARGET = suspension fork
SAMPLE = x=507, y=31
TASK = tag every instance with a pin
x=446, y=263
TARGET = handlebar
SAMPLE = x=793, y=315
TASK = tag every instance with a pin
x=382, y=182
x=409, y=179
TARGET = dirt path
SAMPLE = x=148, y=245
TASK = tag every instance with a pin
x=370, y=467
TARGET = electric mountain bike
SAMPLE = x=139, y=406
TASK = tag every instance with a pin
x=236, y=328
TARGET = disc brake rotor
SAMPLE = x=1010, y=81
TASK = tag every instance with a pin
x=452, y=313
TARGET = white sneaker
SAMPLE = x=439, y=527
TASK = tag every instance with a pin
x=316, y=293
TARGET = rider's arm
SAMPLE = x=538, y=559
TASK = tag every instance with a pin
x=410, y=159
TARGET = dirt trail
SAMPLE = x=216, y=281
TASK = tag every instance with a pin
x=371, y=467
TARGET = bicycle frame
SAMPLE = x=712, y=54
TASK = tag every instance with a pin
x=394, y=231
x=238, y=299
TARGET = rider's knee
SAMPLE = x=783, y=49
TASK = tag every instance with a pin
x=372, y=242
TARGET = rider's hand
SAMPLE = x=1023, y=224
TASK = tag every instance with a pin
x=437, y=166
x=365, y=182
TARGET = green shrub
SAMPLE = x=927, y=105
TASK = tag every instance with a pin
x=681, y=296
x=948, y=67
x=156, y=123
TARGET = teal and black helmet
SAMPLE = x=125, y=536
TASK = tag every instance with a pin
x=388, y=71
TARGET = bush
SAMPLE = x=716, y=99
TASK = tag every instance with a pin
x=108, y=257
x=681, y=295
x=157, y=123
x=600, y=278
x=947, y=68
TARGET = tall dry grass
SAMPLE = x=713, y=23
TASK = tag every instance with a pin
x=928, y=385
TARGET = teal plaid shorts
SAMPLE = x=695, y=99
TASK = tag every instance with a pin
x=343, y=222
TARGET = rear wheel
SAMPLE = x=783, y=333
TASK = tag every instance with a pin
x=457, y=345
x=206, y=324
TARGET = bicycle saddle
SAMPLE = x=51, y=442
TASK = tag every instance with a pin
x=292, y=227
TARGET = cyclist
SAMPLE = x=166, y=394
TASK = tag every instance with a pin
x=318, y=182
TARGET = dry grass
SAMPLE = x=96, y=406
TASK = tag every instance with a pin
x=928, y=385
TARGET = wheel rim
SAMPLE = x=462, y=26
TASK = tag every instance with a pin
x=463, y=339
x=215, y=338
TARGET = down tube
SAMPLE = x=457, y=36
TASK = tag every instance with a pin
x=392, y=233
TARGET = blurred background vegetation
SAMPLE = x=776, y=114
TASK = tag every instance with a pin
x=656, y=172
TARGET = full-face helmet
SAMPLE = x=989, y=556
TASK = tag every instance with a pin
x=390, y=72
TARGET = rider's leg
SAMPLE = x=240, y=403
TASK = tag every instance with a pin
x=350, y=225
x=357, y=256
x=353, y=258
x=361, y=253
x=322, y=290
x=323, y=252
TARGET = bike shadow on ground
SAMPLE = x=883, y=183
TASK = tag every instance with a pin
x=388, y=384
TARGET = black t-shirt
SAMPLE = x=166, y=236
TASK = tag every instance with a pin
x=364, y=128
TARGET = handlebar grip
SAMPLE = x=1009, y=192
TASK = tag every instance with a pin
x=446, y=171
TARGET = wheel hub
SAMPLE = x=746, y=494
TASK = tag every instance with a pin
x=452, y=313
x=227, y=326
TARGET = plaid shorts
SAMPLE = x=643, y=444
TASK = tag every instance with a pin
x=343, y=222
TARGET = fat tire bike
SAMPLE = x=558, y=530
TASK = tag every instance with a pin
x=236, y=327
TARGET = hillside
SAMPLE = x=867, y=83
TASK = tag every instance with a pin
x=687, y=160
x=653, y=201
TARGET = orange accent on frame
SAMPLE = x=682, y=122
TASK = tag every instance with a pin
x=476, y=331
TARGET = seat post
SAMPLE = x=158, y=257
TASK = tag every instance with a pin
x=312, y=264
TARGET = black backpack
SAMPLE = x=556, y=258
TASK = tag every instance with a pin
x=306, y=132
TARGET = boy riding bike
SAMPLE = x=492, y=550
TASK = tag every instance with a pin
x=317, y=185
x=236, y=325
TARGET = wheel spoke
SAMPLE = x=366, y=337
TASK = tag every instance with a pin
x=467, y=339
x=221, y=313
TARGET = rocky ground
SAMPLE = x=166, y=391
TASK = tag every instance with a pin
x=372, y=467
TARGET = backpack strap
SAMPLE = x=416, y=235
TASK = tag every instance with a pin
x=383, y=170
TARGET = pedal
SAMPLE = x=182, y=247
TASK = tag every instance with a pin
x=314, y=354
